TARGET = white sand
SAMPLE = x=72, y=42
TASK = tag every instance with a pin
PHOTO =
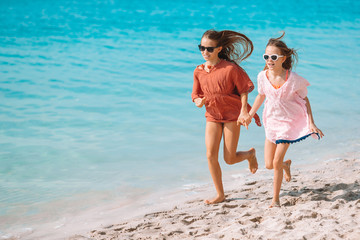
x=318, y=203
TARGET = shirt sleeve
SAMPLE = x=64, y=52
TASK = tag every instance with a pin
x=301, y=86
x=242, y=81
x=196, y=92
x=259, y=84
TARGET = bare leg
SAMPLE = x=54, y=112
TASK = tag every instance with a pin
x=269, y=153
x=278, y=171
x=269, y=157
x=231, y=138
x=287, y=173
x=213, y=135
x=274, y=157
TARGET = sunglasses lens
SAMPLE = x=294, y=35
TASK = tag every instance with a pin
x=266, y=57
x=210, y=49
x=274, y=57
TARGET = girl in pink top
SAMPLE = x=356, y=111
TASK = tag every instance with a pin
x=287, y=113
x=223, y=86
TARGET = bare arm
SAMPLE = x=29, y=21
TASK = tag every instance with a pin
x=257, y=104
x=312, y=125
x=244, y=102
x=244, y=114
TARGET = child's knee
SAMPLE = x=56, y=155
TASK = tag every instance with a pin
x=277, y=164
x=212, y=157
x=269, y=165
x=229, y=159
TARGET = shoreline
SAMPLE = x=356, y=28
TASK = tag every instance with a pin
x=247, y=195
x=325, y=196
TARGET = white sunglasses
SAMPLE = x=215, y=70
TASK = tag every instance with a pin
x=273, y=57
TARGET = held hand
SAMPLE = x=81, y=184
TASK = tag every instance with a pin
x=313, y=128
x=199, y=102
x=248, y=121
x=244, y=119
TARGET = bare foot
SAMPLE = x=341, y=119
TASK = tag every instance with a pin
x=253, y=165
x=287, y=172
x=218, y=199
x=274, y=204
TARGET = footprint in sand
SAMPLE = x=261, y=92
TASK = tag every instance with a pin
x=156, y=214
x=175, y=232
x=289, y=227
x=335, y=206
x=247, y=215
x=118, y=229
x=256, y=219
x=222, y=213
x=291, y=202
x=251, y=183
x=230, y=206
x=131, y=229
x=188, y=220
x=193, y=233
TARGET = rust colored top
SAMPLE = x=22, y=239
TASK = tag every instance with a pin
x=222, y=87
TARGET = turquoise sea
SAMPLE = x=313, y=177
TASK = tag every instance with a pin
x=95, y=103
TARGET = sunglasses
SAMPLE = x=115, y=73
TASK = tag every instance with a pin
x=209, y=49
x=273, y=57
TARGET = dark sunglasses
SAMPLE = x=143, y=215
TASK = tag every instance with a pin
x=209, y=49
x=273, y=57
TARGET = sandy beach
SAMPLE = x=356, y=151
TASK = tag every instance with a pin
x=320, y=202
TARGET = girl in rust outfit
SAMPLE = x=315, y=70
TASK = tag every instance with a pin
x=223, y=86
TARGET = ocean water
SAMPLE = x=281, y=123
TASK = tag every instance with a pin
x=95, y=103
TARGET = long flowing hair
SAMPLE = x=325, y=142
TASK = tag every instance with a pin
x=290, y=53
x=236, y=47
